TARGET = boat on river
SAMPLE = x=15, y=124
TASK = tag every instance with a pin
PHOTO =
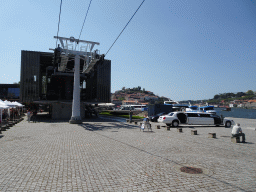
x=207, y=109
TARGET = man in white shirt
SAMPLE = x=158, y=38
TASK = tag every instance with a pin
x=28, y=115
x=237, y=132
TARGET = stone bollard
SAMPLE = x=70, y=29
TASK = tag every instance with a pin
x=193, y=132
x=158, y=126
x=235, y=139
x=179, y=130
x=211, y=135
x=3, y=128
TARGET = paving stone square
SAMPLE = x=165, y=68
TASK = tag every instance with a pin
x=106, y=154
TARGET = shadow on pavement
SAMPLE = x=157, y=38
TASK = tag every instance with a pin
x=99, y=126
x=46, y=118
x=248, y=143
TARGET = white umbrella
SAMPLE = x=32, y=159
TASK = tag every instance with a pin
x=18, y=104
x=10, y=104
x=3, y=106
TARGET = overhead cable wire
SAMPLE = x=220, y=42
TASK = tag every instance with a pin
x=124, y=27
x=85, y=19
x=59, y=23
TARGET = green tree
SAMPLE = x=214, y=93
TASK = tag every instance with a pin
x=240, y=94
x=249, y=92
x=121, y=98
x=230, y=95
x=216, y=97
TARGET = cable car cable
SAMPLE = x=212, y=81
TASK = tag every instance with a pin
x=124, y=28
x=85, y=19
x=58, y=23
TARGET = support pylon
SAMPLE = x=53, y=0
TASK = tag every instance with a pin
x=76, y=117
x=87, y=53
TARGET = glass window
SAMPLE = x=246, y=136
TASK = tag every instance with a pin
x=14, y=92
x=205, y=115
x=192, y=114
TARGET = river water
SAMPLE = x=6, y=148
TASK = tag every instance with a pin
x=237, y=112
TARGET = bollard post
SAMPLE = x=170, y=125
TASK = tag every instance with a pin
x=179, y=130
x=193, y=132
x=235, y=139
x=211, y=135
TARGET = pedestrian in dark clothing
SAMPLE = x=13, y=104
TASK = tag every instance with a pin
x=130, y=115
x=34, y=116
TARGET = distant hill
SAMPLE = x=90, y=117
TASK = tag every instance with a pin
x=217, y=99
x=138, y=94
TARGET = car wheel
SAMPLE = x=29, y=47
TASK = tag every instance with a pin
x=228, y=124
x=175, y=123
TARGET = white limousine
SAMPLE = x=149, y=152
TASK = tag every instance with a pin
x=194, y=118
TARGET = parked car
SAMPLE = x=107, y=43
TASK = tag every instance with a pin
x=194, y=118
x=154, y=118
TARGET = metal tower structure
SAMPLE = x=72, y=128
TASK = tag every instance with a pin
x=75, y=48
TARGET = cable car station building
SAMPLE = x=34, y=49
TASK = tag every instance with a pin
x=48, y=79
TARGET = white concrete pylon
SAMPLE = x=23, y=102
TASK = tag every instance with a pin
x=76, y=117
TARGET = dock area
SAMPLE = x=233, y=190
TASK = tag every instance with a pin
x=104, y=154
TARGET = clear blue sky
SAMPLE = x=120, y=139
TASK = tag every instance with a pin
x=180, y=49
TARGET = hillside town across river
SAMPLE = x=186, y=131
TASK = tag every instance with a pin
x=237, y=112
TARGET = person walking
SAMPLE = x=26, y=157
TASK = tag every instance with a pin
x=28, y=115
x=130, y=115
x=34, y=116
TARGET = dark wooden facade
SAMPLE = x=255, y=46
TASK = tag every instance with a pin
x=40, y=80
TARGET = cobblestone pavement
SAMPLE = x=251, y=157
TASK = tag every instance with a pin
x=106, y=155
